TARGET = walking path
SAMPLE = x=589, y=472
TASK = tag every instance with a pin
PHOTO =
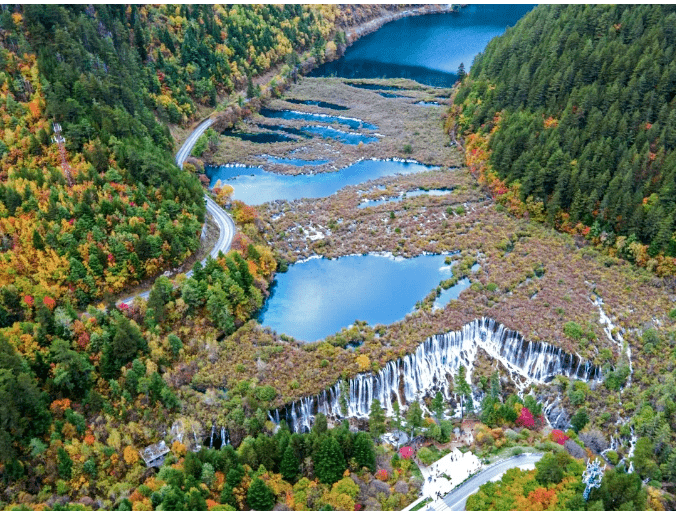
x=456, y=499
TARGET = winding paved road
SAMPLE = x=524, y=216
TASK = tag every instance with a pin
x=226, y=226
x=455, y=500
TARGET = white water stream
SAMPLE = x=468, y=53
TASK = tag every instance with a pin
x=614, y=335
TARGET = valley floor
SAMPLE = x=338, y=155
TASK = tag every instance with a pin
x=533, y=280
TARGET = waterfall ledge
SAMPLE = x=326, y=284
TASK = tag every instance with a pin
x=429, y=369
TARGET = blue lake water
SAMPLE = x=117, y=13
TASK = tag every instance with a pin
x=285, y=129
x=296, y=162
x=390, y=95
x=321, y=104
x=304, y=116
x=451, y=293
x=277, y=134
x=427, y=103
x=342, y=136
x=259, y=138
x=254, y=185
x=318, y=297
x=427, y=49
x=399, y=198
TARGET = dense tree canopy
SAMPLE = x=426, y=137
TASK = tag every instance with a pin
x=577, y=100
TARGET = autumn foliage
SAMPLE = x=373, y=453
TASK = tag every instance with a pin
x=559, y=436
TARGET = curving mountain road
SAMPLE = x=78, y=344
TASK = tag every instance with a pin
x=226, y=226
x=187, y=146
x=455, y=500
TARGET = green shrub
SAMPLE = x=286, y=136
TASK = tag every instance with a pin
x=200, y=146
x=266, y=393
x=573, y=330
x=426, y=456
x=62, y=487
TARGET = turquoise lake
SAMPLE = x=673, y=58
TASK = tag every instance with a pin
x=427, y=49
x=255, y=186
x=318, y=297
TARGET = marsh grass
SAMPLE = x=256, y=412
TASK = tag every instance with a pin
x=408, y=130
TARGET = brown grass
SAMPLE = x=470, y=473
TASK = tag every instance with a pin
x=399, y=120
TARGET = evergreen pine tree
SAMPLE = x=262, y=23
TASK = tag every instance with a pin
x=414, y=418
x=438, y=405
x=289, y=467
x=364, y=451
x=376, y=420
x=464, y=389
x=65, y=465
x=320, y=425
x=243, y=266
x=174, y=500
x=250, y=90
x=329, y=462
x=227, y=497
x=259, y=496
x=461, y=71
x=396, y=420
x=495, y=385
x=38, y=243
x=579, y=420
x=344, y=392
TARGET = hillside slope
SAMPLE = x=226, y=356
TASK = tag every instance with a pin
x=580, y=103
x=113, y=76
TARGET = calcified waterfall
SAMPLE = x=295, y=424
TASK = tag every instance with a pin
x=615, y=336
x=430, y=369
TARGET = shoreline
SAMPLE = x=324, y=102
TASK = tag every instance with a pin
x=352, y=34
x=371, y=26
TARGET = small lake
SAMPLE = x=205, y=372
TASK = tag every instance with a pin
x=254, y=186
x=305, y=116
x=295, y=162
x=451, y=293
x=400, y=197
x=343, y=137
x=427, y=49
x=318, y=297
x=285, y=129
x=259, y=138
x=321, y=104
x=389, y=95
